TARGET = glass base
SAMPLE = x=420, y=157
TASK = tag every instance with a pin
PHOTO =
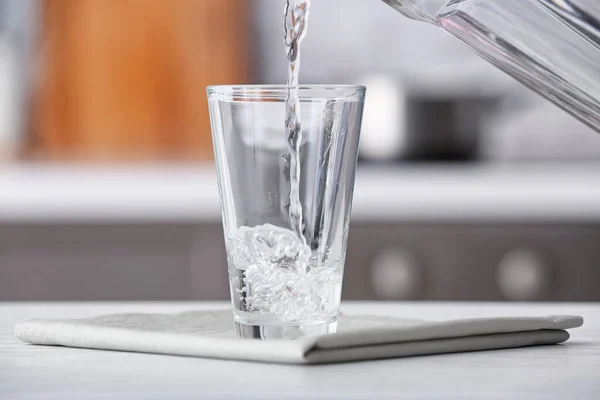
x=251, y=331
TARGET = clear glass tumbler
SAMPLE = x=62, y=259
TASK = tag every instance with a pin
x=285, y=284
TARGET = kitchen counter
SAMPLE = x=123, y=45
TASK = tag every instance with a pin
x=436, y=192
x=561, y=371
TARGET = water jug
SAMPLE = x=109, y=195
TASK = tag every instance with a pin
x=552, y=46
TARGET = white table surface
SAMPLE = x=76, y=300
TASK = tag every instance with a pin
x=568, y=371
x=440, y=192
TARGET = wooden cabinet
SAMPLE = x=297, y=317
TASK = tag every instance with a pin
x=127, y=79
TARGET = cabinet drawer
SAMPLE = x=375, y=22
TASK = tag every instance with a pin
x=473, y=262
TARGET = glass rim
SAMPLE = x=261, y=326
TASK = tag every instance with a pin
x=279, y=92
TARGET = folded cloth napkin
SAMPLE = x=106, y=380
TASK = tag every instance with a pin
x=212, y=334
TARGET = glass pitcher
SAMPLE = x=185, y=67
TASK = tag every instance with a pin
x=552, y=46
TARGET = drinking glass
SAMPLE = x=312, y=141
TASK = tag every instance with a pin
x=285, y=282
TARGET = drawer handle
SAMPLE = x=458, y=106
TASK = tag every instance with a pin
x=395, y=274
x=523, y=274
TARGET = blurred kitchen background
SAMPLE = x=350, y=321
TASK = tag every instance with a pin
x=469, y=186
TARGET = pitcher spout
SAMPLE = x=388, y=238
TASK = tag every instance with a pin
x=420, y=10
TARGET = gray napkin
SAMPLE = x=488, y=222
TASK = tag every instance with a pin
x=212, y=334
